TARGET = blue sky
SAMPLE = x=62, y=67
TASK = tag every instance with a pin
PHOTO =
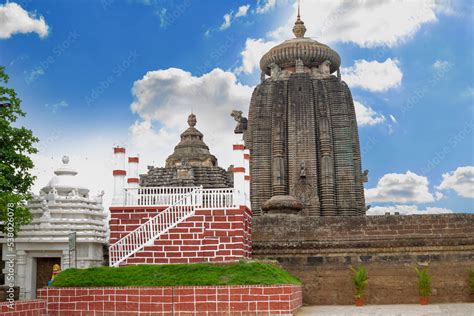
x=92, y=74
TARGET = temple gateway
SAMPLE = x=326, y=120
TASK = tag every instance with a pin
x=302, y=133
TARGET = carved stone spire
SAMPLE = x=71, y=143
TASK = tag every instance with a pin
x=299, y=29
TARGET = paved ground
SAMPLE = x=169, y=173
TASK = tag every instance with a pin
x=462, y=309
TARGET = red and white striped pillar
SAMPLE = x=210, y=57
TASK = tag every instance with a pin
x=132, y=180
x=239, y=173
x=119, y=174
x=247, y=177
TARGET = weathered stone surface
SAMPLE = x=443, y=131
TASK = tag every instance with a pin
x=302, y=131
x=283, y=204
x=320, y=252
x=191, y=164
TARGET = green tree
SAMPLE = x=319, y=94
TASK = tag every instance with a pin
x=16, y=147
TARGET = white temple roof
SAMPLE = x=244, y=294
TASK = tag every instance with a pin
x=65, y=180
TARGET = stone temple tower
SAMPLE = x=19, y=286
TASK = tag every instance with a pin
x=302, y=133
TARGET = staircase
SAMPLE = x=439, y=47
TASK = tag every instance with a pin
x=147, y=233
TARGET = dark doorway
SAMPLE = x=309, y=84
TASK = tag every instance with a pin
x=44, y=270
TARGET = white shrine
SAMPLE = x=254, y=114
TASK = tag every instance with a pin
x=62, y=207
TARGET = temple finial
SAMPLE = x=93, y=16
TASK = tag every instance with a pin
x=192, y=120
x=299, y=29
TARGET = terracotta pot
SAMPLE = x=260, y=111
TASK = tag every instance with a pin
x=359, y=302
x=423, y=300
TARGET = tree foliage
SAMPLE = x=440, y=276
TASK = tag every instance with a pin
x=16, y=147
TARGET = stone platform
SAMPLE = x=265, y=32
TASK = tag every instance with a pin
x=319, y=250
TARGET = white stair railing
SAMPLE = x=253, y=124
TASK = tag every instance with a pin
x=147, y=233
x=156, y=196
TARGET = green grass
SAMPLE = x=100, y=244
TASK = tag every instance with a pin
x=241, y=273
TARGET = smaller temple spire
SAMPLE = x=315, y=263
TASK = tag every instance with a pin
x=299, y=29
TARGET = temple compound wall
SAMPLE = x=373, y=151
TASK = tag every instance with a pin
x=321, y=251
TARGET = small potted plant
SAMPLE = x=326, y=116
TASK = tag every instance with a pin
x=424, y=284
x=360, y=279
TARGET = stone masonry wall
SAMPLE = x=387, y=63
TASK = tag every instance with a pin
x=320, y=250
x=185, y=300
x=209, y=235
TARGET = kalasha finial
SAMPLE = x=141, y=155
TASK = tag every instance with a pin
x=65, y=160
x=192, y=120
x=299, y=29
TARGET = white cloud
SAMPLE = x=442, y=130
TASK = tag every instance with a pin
x=230, y=17
x=365, y=23
x=263, y=6
x=56, y=106
x=162, y=15
x=394, y=120
x=441, y=65
x=373, y=75
x=401, y=188
x=164, y=99
x=242, y=11
x=34, y=74
x=366, y=116
x=253, y=52
x=468, y=92
x=439, y=195
x=461, y=181
x=406, y=210
x=227, y=22
x=14, y=19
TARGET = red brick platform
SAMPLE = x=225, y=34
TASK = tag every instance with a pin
x=208, y=236
x=186, y=300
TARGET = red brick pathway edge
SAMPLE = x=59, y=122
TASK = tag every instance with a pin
x=185, y=300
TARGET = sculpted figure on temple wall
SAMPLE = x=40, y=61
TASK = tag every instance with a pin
x=241, y=122
x=275, y=71
x=325, y=68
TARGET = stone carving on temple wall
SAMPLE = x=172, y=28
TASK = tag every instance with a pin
x=241, y=122
x=100, y=197
x=53, y=193
x=299, y=66
x=365, y=175
x=46, y=214
x=275, y=71
x=325, y=68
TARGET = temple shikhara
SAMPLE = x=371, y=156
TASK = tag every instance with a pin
x=293, y=194
x=302, y=133
x=191, y=164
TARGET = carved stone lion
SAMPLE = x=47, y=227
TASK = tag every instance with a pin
x=241, y=122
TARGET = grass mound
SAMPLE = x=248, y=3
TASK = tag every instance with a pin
x=241, y=273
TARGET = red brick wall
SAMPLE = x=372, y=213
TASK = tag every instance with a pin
x=209, y=235
x=24, y=308
x=188, y=300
